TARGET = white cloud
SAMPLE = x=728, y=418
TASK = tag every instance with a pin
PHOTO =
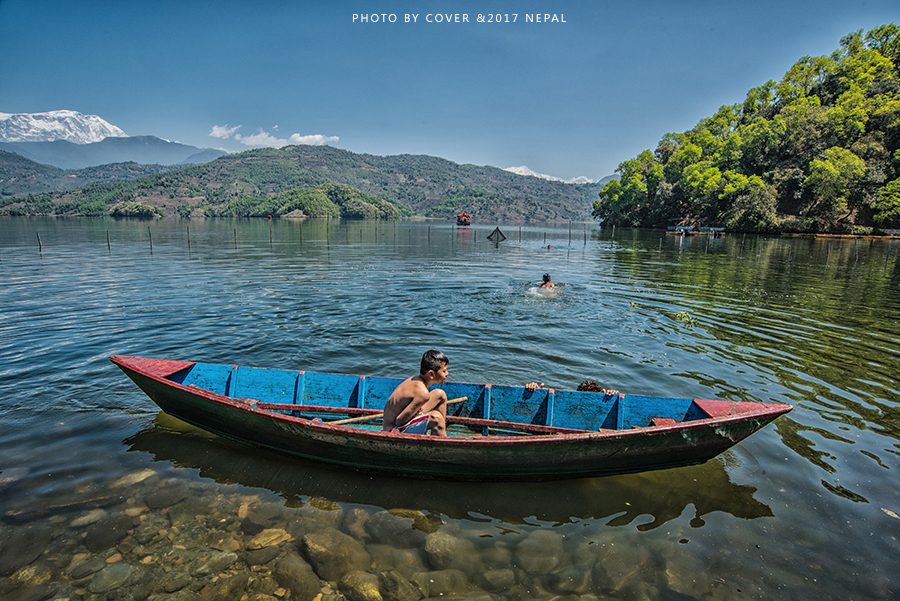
x=264, y=138
x=261, y=138
x=313, y=140
x=223, y=131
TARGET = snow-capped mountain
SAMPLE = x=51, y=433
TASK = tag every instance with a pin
x=523, y=170
x=71, y=126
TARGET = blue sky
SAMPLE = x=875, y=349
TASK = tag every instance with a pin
x=566, y=99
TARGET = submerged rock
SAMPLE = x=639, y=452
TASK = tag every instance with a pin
x=108, y=532
x=32, y=593
x=442, y=582
x=256, y=518
x=540, y=552
x=227, y=589
x=262, y=556
x=406, y=561
x=91, y=517
x=150, y=526
x=87, y=567
x=297, y=576
x=176, y=584
x=19, y=547
x=360, y=586
x=134, y=478
x=446, y=551
x=34, y=575
x=396, y=528
x=111, y=578
x=334, y=553
x=495, y=581
x=394, y=587
x=168, y=496
x=217, y=562
x=268, y=538
x=354, y=523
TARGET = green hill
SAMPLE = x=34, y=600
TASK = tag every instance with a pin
x=818, y=151
x=20, y=176
x=239, y=184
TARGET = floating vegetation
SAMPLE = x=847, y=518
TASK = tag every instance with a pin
x=685, y=317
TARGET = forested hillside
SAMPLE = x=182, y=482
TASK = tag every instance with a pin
x=20, y=176
x=817, y=151
x=248, y=183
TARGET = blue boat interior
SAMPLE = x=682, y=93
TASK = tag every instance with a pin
x=546, y=407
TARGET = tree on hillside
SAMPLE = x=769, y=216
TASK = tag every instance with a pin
x=819, y=149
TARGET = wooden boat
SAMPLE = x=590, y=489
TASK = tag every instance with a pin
x=496, y=432
x=463, y=219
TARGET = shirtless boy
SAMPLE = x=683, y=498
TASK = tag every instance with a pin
x=414, y=410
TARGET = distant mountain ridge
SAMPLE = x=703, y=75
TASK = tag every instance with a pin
x=71, y=140
x=56, y=125
x=417, y=184
x=20, y=176
x=146, y=150
x=523, y=170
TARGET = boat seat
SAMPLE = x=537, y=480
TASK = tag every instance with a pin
x=662, y=421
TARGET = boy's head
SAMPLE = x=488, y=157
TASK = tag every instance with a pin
x=433, y=361
x=546, y=277
x=589, y=386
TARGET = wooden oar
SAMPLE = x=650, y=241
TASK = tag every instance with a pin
x=365, y=418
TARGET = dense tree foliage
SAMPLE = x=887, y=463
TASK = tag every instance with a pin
x=138, y=210
x=817, y=151
x=20, y=176
x=326, y=200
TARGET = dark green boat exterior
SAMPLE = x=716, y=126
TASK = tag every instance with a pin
x=504, y=432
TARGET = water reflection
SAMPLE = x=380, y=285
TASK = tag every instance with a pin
x=620, y=500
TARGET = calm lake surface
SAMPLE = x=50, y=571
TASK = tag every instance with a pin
x=102, y=496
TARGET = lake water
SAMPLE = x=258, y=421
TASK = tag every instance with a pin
x=102, y=496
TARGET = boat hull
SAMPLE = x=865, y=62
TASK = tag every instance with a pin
x=558, y=453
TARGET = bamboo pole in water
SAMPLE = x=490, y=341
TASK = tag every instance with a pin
x=108, y=247
x=151, y=238
x=40, y=244
x=189, y=237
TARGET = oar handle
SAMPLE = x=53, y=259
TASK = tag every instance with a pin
x=365, y=418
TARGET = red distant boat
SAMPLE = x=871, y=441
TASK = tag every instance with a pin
x=463, y=219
